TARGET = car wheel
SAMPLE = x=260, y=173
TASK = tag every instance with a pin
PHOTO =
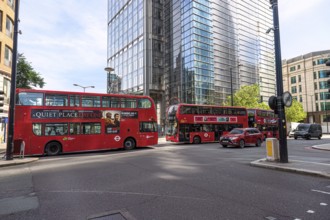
x=53, y=148
x=258, y=144
x=242, y=143
x=197, y=140
x=319, y=137
x=295, y=138
x=224, y=146
x=129, y=144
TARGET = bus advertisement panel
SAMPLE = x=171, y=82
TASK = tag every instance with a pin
x=189, y=123
x=53, y=122
x=265, y=120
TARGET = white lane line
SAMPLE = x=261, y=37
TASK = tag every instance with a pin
x=323, y=204
x=310, y=211
x=324, y=192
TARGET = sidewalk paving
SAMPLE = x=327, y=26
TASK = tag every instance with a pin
x=298, y=166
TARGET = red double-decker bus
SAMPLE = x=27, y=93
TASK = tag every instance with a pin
x=189, y=123
x=54, y=122
x=265, y=120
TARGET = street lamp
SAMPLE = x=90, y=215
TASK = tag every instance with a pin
x=230, y=68
x=108, y=70
x=84, y=87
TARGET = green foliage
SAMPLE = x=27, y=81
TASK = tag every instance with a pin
x=248, y=96
x=27, y=77
x=295, y=113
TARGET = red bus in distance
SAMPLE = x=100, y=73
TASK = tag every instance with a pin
x=265, y=120
x=190, y=123
x=54, y=122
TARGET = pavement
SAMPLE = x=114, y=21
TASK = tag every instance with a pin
x=298, y=166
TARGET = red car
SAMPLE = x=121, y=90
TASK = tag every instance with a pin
x=242, y=137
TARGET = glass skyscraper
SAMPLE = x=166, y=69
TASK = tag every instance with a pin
x=194, y=51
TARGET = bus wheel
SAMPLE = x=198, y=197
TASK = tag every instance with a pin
x=129, y=144
x=242, y=143
x=53, y=148
x=197, y=140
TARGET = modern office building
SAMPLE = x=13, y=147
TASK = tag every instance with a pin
x=304, y=76
x=196, y=51
x=7, y=13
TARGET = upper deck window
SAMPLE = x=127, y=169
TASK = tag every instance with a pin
x=144, y=103
x=90, y=101
x=30, y=98
x=56, y=100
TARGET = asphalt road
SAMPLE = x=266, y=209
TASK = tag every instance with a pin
x=169, y=181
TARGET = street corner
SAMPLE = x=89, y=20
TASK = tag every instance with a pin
x=17, y=161
x=296, y=166
x=322, y=147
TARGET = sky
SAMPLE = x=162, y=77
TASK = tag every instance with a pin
x=66, y=40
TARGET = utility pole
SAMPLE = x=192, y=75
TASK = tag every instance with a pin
x=10, y=139
x=279, y=85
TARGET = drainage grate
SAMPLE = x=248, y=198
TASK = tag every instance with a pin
x=112, y=215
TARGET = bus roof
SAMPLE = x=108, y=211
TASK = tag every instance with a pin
x=19, y=90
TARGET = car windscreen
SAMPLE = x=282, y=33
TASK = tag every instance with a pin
x=236, y=131
x=303, y=128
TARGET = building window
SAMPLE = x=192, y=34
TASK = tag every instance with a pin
x=300, y=98
x=294, y=97
x=299, y=78
x=10, y=3
x=8, y=56
x=324, y=96
x=314, y=63
x=9, y=27
x=1, y=20
x=323, y=74
x=293, y=80
x=298, y=67
x=315, y=76
x=316, y=95
x=315, y=86
x=300, y=89
x=323, y=85
x=293, y=68
x=294, y=90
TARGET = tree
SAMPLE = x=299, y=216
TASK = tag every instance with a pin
x=27, y=77
x=295, y=113
x=248, y=96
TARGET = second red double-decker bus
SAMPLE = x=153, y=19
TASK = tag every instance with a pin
x=189, y=123
x=265, y=121
x=53, y=122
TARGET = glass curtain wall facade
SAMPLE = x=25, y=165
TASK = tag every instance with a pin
x=136, y=48
x=215, y=45
x=126, y=44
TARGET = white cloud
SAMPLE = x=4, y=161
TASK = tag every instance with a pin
x=291, y=9
x=66, y=41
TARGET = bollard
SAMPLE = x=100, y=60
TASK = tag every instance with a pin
x=272, y=148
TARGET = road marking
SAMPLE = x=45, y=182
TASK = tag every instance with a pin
x=323, y=204
x=310, y=211
x=324, y=192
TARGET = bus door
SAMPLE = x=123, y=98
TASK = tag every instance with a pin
x=184, y=133
x=218, y=132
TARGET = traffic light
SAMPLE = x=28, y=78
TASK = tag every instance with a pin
x=2, y=100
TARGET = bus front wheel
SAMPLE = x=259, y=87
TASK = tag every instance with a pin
x=53, y=148
x=197, y=140
x=129, y=144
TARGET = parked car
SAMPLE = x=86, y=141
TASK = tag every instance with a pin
x=241, y=137
x=308, y=131
x=291, y=133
